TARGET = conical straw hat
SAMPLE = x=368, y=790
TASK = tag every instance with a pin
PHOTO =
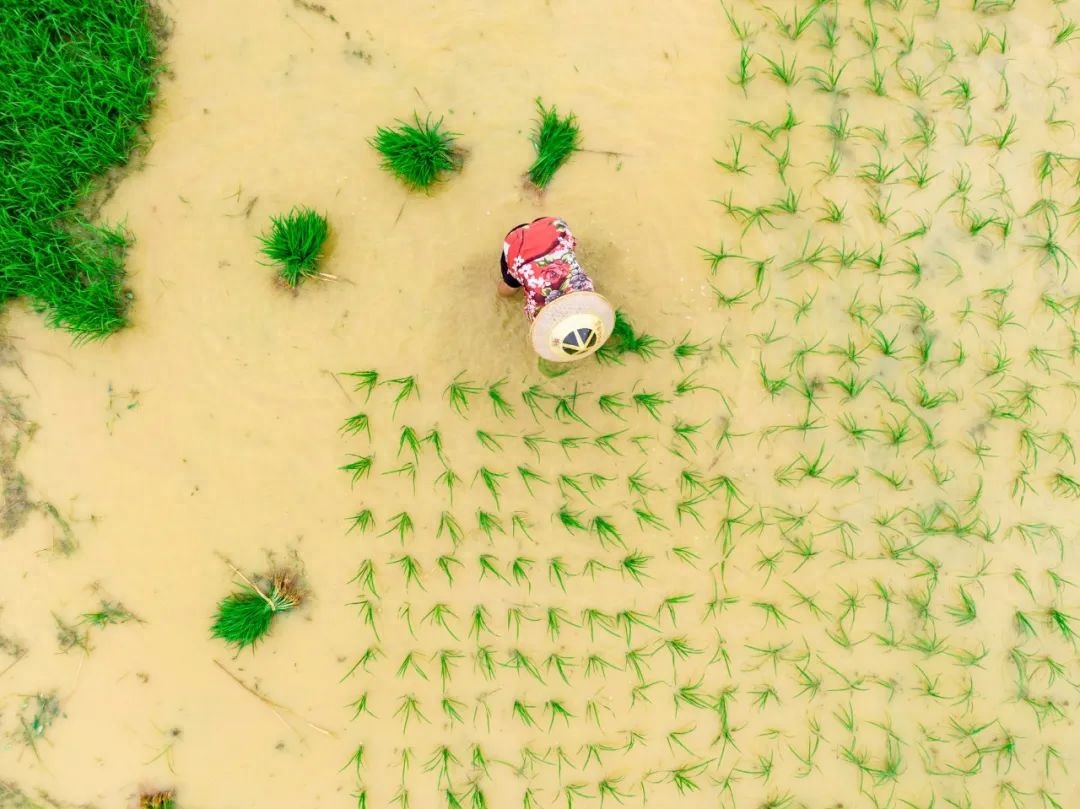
x=572, y=327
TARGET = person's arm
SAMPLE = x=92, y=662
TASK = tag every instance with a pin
x=508, y=285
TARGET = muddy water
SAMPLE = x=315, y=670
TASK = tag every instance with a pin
x=210, y=430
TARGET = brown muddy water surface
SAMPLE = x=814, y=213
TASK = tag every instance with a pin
x=824, y=615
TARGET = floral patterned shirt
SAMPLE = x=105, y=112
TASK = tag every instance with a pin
x=540, y=257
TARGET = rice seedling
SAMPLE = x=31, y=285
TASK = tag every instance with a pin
x=449, y=479
x=295, y=244
x=650, y=403
x=407, y=387
x=365, y=381
x=458, y=393
x=554, y=139
x=489, y=524
x=243, y=618
x=743, y=74
x=784, y=72
x=449, y=525
x=492, y=482
x=564, y=410
x=419, y=154
x=357, y=424
x=625, y=339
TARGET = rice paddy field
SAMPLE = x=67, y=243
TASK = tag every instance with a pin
x=308, y=525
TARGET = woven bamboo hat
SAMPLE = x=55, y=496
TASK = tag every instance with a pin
x=572, y=327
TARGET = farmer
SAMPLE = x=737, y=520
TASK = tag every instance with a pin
x=569, y=320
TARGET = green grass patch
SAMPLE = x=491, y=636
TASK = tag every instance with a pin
x=76, y=81
x=555, y=139
x=418, y=154
x=295, y=244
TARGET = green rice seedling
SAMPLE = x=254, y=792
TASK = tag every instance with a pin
x=633, y=565
x=784, y=72
x=437, y=616
x=686, y=431
x=408, y=439
x=742, y=30
x=164, y=799
x=458, y=393
x=686, y=350
x=689, y=384
x=408, y=469
x=1062, y=622
x=1066, y=32
x=533, y=441
x=492, y=481
x=827, y=79
x=1005, y=136
x=565, y=412
x=363, y=520
x=356, y=424
x=489, y=523
x=1065, y=485
x=365, y=381
x=418, y=154
x=243, y=618
x=554, y=139
x=533, y=396
x=799, y=23
x=408, y=665
x=360, y=468
x=717, y=257
x=448, y=524
x=499, y=405
x=452, y=709
x=626, y=340
x=688, y=508
x=407, y=387
x=488, y=441
x=409, y=710
x=529, y=476
x=611, y=403
x=295, y=243
x=448, y=478
x=606, y=532
x=402, y=523
x=365, y=576
x=650, y=402
x=743, y=74
x=410, y=569
x=571, y=483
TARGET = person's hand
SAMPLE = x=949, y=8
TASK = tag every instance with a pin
x=505, y=290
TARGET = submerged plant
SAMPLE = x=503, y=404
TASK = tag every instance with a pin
x=419, y=153
x=295, y=243
x=243, y=618
x=555, y=139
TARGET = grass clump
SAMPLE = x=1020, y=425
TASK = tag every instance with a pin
x=244, y=617
x=295, y=243
x=555, y=140
x=76, y=82
x=419, y=153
